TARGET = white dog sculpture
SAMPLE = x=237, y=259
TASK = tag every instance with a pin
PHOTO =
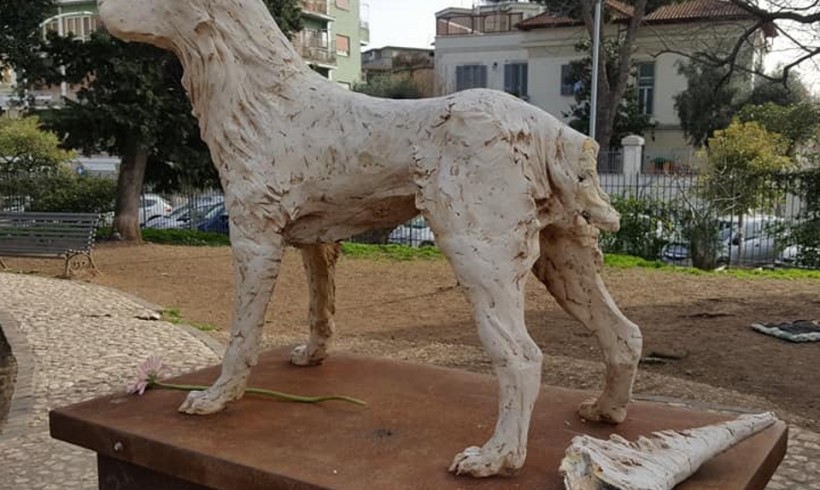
x=505, y=187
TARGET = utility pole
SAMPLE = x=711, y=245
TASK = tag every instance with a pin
x=596, y=57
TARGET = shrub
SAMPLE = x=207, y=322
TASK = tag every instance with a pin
x=643, y=225
x=69, y=193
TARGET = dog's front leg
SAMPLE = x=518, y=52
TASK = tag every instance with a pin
x=493, y=275
x=569, y=266
x=256, y=266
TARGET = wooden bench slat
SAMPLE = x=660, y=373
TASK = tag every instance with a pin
x=62, y=247
x=12, y=225
x=14, y=233
x=45, y=224
x=32, y=253
x=39, y=215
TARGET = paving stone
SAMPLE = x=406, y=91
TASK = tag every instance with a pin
x=85, y=341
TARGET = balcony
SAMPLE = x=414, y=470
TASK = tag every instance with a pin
x=316, y=48
x=459, y=24
x=316, y=8
x=364, y=32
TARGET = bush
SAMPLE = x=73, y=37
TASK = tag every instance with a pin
x=389, y=88
x=643, y=225
x=67, y=192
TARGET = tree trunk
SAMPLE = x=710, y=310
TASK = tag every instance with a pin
x=610, y=92
x=129, y=188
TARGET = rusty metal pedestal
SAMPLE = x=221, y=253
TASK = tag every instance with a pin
x=418, y=418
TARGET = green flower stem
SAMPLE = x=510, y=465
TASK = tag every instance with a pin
x=270, y=393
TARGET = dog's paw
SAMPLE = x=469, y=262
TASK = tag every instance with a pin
x=593, y=411
x=203, y=403
x=480, y=462
x=302, y=356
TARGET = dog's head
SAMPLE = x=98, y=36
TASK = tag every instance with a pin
x=169, y=23
x=150, y=21
x=581, y=190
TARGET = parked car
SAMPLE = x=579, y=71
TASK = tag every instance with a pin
x=414, y=233
x=153, y=206
x=761, y=236
x=215, y=220
x=802, y=250
x=183, y=217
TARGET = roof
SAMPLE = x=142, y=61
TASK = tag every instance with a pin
x=697, y=10
x=687, y=11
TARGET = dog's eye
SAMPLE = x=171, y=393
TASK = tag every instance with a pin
x=581, y=178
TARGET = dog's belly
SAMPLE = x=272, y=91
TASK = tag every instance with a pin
x=335, y=220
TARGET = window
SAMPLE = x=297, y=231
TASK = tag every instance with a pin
x=646, y=87
x=80, y=26
x=515, y=79
x=343, y=4
x=570, y=85
x=471, y=76
x=342, y=45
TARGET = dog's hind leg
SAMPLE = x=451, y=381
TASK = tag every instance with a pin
x=257, y=267
x=492, y=269
x=570, y=266
x=320, y=267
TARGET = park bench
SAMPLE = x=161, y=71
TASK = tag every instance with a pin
x=69, y=236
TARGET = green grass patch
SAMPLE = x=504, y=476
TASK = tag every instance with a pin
x=204, y=326
x=389, y=252
x=172, y=315
x=188, y=238
x=627, y=262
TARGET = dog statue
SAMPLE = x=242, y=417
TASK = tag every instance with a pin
x=505, y=187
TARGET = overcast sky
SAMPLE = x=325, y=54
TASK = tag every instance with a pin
x=412, y=23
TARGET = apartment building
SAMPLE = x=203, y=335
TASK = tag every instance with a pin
x=333, y=36
x=330, y=42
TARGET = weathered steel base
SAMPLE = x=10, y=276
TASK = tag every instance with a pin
x=418, y=418
x=120, y=475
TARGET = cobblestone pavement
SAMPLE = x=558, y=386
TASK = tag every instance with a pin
x=74, y=341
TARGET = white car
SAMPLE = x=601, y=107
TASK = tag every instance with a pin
x=187, y=216
x=153, y=206
x=414, y=233
x=760, y=237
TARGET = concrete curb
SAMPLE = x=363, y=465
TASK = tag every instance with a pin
x=22, y=399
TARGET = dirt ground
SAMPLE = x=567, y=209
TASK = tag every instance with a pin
x=413, y=310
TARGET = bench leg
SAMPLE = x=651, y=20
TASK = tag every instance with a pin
x=78, y=260
x=94, y=269
x=5, y=267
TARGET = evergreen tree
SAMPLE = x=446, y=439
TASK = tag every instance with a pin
x=132, y=104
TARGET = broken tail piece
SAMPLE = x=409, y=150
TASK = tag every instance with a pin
x=657, y=462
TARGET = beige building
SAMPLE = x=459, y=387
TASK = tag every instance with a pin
x=333, y=35
x=398, y=63
x=521, y=49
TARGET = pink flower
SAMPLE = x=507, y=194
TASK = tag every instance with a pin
x=147, y=374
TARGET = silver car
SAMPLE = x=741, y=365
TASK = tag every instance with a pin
x=414, y=233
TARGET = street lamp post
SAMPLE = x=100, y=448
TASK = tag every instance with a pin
x=596, y=57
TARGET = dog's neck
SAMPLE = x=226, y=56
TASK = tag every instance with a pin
x=241, y=69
